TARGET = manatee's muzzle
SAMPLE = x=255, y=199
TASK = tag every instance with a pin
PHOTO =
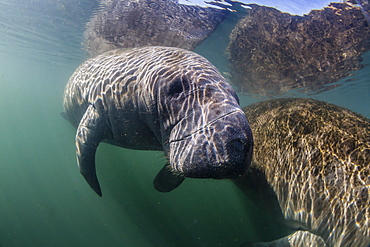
x=220, y=149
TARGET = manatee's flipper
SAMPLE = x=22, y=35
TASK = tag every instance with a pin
x=90, y=132
x=296, y=239
x=165, y=181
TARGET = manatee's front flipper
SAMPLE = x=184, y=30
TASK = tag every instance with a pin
x=165, y=181
x=90, y=132
x=296, y=239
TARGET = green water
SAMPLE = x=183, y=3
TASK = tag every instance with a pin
x=44, y=201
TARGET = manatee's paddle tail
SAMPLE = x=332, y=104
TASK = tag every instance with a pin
x=165, y=181
x=89, y=135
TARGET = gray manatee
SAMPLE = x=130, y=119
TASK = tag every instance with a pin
x=139, y=23
x=272, y=52
x=159, y=98
x=312, y=162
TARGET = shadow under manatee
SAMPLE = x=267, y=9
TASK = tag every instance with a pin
x=253, y=188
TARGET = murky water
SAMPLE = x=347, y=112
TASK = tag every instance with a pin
x=44, y=201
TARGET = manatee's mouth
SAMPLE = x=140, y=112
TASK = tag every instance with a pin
x=201, y=128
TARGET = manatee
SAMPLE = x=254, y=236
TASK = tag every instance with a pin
x=312, y=162
x=139, y=23
x=159, y=98
x=272, y=52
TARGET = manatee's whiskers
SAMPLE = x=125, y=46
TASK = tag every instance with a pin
x=203, y=127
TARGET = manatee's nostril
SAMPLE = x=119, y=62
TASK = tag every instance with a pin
x=236, y=145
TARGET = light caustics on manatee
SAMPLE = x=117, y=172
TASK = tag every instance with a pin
x=140, y=99
x=314, y=157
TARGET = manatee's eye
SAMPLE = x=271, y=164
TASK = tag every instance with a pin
x=175, y=88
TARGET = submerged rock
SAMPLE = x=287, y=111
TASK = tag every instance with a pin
x=139, y=23
x=312, y=161
x=272, y=52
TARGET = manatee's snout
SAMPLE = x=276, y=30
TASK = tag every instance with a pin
x=239, y=151
x=236, y=146
x=220, y=149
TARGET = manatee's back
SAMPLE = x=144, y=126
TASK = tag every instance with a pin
x=124, y=75
x=316, y=157
x=111, y=76
x=133, y=23
x=88, y=81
